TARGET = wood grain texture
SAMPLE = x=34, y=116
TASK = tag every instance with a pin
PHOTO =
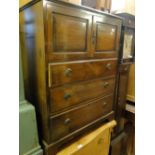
x=105, y=39
x=74, y=94
x=75, y=71
x=68, y=122
x=70, y=33
x=131, y=84
x=68, y=30
x=107, y=34
x=94, y=143
x=121, y=96
x=23, y=2
x=80, y=41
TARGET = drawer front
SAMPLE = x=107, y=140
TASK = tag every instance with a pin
x=63, y=73
x=69, y=95
x=75, y=119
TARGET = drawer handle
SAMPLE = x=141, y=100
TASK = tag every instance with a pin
x=67, y=96
x=67, y=121
x=68, y=72
x=104, y=103
x=106, y=84
x=108, y=66
x=100, y=141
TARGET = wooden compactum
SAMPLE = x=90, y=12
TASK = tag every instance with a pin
x=70, y=58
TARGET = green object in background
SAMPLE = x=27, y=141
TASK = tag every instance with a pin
x=28, y=135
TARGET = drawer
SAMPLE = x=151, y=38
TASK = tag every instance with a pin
x=68, y=122
x=62, y=73
x=69, y=95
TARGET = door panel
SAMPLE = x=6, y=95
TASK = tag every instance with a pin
x=106, y=35
x=67, y=32
x=70, y=33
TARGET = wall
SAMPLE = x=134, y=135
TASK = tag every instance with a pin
x=123, y=6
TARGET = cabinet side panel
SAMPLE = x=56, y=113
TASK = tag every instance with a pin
x=33, y=55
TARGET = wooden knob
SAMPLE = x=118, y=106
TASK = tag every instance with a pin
x=68, y=72
x=108, y=66
x=106, y=84
x=67, y=121
x=67, y=96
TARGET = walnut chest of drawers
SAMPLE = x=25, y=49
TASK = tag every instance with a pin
x=70, y=58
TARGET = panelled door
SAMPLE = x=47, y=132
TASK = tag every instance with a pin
x=106, y=36
x=68, y=32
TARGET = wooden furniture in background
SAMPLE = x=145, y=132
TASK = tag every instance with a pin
x=127, y=49
x=121, y=96
x=70, y=58
x=130, y=128
x=119, y=139
x=126, y=58
x=73, y=1
x=96, y=142
x=131, y=84
x=23, y=2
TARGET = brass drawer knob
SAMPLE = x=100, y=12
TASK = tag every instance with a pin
x=67, y=96
x=68, y=72
x=108, y=66
x=100, y=141
x=106, y=84
x=67, y=121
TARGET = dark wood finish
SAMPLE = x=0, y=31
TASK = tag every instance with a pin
x=105, y=39
x=69, y=95
x=68, y=122
x=69, y=71
x=127, y=38
x=118, y=144
x=67, y=31
x=33, y=58
x=79, y=42
x=128, y=19
x=106, y=35
x=62, y=73
x=121, y=97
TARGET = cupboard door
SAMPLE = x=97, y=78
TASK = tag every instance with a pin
x=106, y=35
x=68, y=32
